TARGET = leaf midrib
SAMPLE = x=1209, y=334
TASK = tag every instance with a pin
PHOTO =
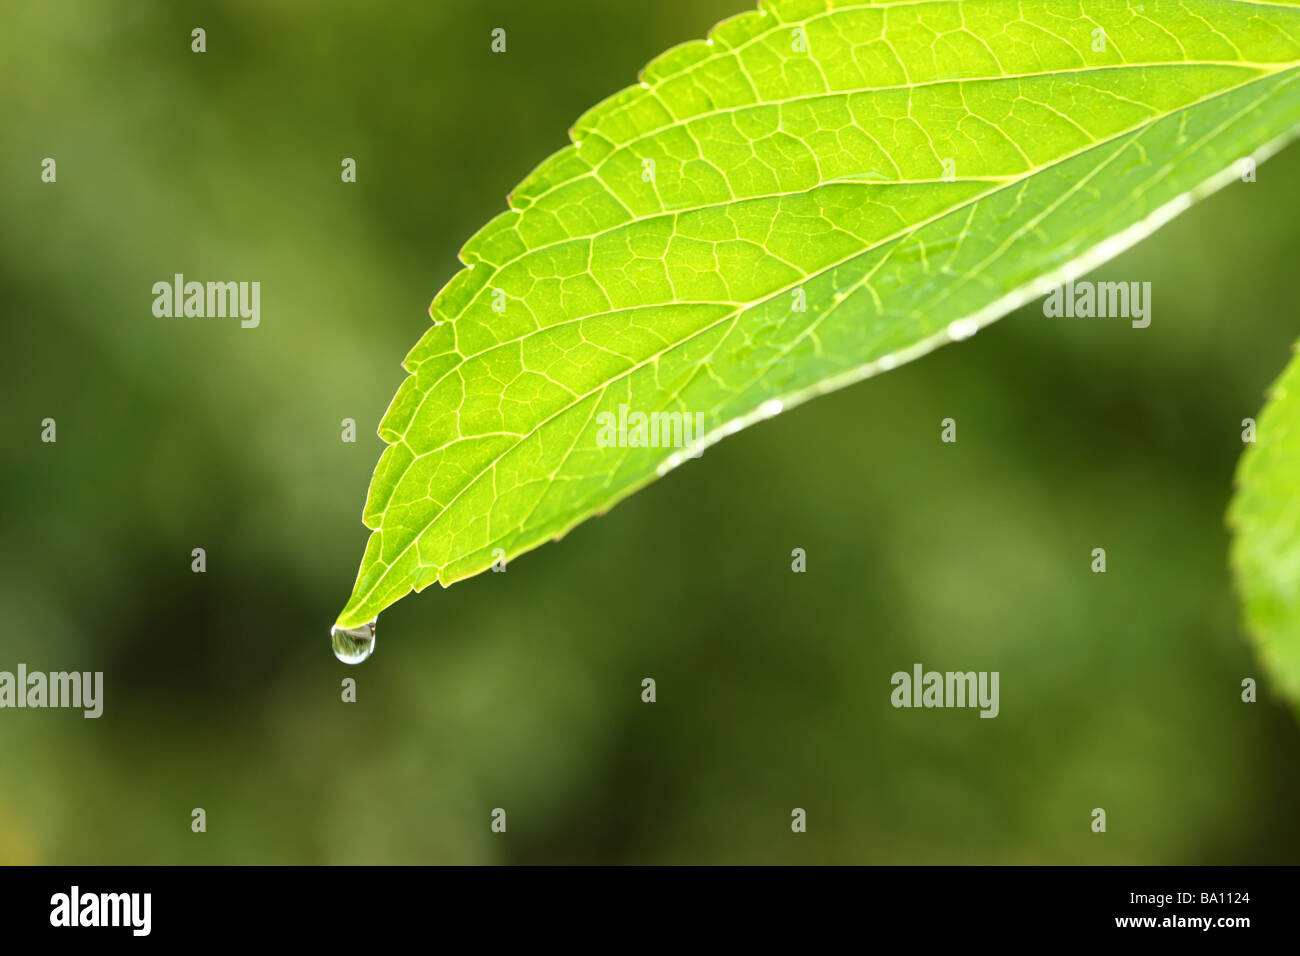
x=1003, y=183
x=732, y=316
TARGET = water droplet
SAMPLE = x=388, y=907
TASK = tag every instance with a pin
x=352, y=645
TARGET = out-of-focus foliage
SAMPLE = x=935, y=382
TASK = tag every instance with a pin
x=522, y=690
x=1265, y=517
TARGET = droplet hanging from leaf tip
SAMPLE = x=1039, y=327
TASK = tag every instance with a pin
x=352, y=645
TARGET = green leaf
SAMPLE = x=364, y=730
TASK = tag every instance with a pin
x=1265, y=520
x=909, y=171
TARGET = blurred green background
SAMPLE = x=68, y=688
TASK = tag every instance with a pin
x=522, y=690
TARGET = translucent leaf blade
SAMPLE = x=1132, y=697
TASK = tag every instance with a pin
x=808, y=197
